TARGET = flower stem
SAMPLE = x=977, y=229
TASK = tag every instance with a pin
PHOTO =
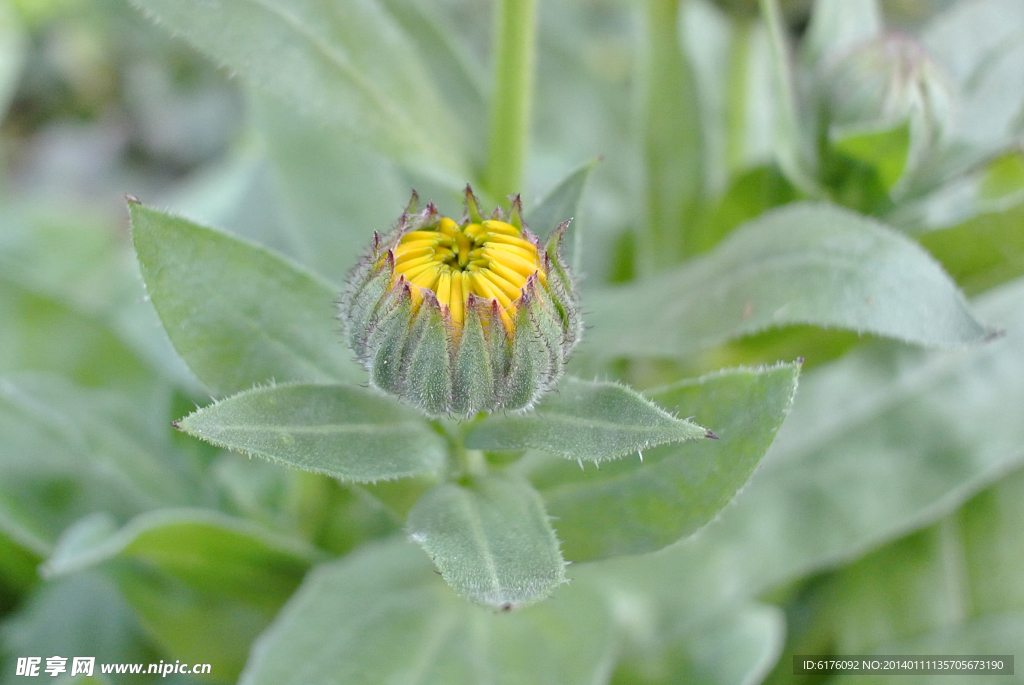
x=673, y=146
x=515, y=29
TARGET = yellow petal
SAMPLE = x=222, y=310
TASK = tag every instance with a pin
x=408, y=255
x=501, y=227
x=403, y=267
x=512, y=261
x=444, y=289
x=481, y=286
x=427, y=278
x=502, y=284
x=513, y=277
x=493, y=237
x=458, y=299
x=528, y=255
x=421, y=235
x=448, y=227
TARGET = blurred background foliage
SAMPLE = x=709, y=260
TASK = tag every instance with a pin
x=887, y=518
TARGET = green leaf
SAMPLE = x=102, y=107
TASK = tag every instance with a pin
x=983, y=252
x=204, y=584
x=343, y=431
x=748, y=196
x=462, y=80
x=68, y=452
x=491, y=540
x=585, y=420
x=738, y=646
x=80, y=615
x=803, y=263
x=839, y=25
x=237, y=313
x=996, y=633
x=382, y=615
x=946, y=582
x=18, y=564
x=981, y=62
x=348, y=63
x=337, y=191
x=632, y=507
x=885, y=151
x=561, y=204
x=878, y=444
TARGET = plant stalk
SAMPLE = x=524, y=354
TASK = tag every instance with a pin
x=673, y=146
x=515, y=37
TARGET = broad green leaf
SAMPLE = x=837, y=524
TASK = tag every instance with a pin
x=748, y=196
x=631, y=507
x=383, y=615
x=985, y=62
x=990, y=526
x=343, y=431
x=491, y=540
x=803, y=263
x=884, y=151
x=672, y=140
x=462, y=80
x=68, y=452
x=67, y=302
x=995, y=633
x=839, y=25
x=738, y=646
x=203, y=584
x=878, y=444
x=983, y=252
x=561, y=204
x=336, y=191
x=80, y=615
x=240, y=195
x=348, y=63
x=591, y=420
x=952, y=582
x=18, y=565
x=237, y=313
x=42, y=333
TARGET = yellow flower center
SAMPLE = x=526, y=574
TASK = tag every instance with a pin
x=489, y=259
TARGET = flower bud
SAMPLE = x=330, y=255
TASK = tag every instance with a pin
x=462, y=317
x=887, y=81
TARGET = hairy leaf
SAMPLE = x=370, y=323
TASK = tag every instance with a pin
x=491, y=540
x=585, y=420
x=347, y=63
x=561, y=204
x=237, y=313
x=67, y=452
x=631, y=507
x=343, y=431
x=803, y=263
x=382, y=615
x=204, y=584
x=879, y=443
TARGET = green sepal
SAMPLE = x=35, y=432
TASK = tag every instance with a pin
x=428, y=382
x=530, y=374
x=473, y=212
x=515, y=215
x=388, y=337
x=472, y=382
x=363, y=306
